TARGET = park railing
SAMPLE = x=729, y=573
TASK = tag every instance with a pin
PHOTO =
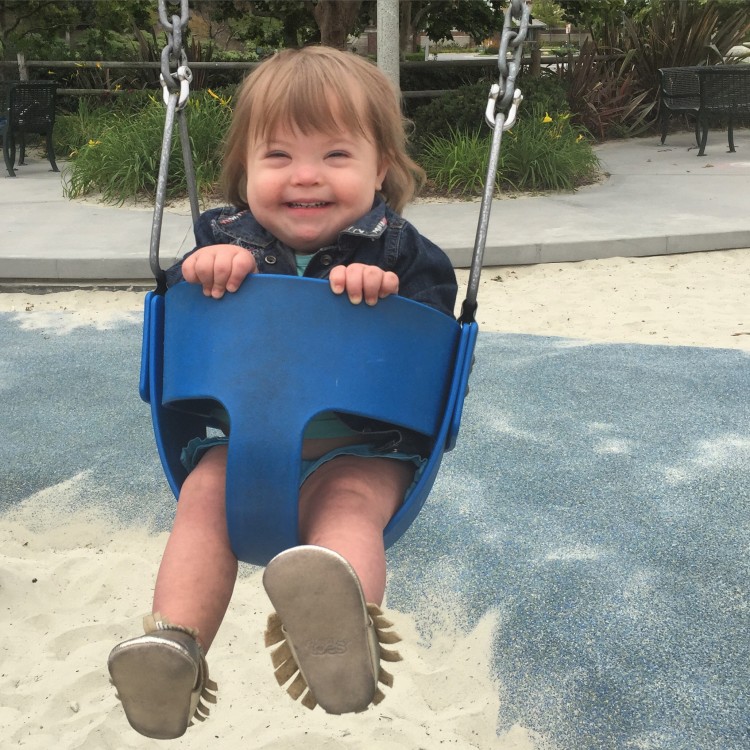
x=23, y=67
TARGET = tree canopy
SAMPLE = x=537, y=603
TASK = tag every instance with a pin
x=30, y=25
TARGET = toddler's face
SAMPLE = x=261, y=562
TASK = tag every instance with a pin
x=305, y=189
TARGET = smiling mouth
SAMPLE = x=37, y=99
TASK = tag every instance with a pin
x=316, y=204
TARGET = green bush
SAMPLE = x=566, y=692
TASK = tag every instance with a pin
x=463, y=110
x=114, y=147
x=90, y=116
x=541, y=152
x=118, y=150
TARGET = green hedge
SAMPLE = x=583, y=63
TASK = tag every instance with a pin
x=463, y=110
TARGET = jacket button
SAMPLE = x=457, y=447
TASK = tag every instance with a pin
x=270, y=259
x=326, y=259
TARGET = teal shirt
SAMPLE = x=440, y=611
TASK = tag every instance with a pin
x=303, y=261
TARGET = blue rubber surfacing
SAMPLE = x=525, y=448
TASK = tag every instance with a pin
x=597, y=500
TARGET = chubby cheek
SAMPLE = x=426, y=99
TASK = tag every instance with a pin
x=261, y=194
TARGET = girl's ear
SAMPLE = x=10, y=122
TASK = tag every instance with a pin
x=242, y=187
x=382, y=172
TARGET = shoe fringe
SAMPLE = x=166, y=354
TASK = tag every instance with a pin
x=286, y=667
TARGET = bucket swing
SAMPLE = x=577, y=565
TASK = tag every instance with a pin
x=399, y=362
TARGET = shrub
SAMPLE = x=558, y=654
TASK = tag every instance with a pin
x=119, y=151
x=463, y=110
x=541, y=152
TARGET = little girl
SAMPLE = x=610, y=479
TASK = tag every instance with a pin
x=316, y=171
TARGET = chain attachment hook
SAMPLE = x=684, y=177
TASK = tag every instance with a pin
x=185, y=76
x=489, y=113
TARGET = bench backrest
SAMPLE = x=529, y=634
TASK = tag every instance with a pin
x=31, y=106
x=726, y=88
x=680, y=87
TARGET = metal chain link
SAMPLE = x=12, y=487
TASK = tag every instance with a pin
x=500, y=116
x=175, y=90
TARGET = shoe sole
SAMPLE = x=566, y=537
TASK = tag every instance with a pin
x=155, y=679
x=318, y=597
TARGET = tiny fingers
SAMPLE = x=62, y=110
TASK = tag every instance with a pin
x=372, y=284
x=389, y=285
x=337, y=279
x=242, y=265
x=218, y=268
x=222, y=271
x=361, y=281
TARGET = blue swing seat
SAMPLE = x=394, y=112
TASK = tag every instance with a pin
x=275, y=354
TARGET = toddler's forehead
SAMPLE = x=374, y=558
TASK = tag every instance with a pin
x=288, y=132
x=330, y=114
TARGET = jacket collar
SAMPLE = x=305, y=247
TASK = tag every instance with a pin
x=242, y=225
x=372, y=224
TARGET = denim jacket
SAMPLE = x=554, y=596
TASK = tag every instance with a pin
x=380, y=238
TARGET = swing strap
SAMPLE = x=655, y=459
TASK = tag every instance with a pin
x=505, y=98
x=175, y=79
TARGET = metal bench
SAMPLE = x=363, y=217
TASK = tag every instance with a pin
x=30, y=110
x=707, y=92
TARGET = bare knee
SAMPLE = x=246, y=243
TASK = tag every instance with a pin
x=370, y=489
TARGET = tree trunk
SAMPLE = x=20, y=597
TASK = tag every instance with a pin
x=336, y=19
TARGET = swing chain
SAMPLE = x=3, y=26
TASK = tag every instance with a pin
x=175, y=92
x=509, y=97
x=505, y=89
x=173, y=54
x=510, y=38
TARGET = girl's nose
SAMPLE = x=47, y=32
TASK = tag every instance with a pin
x=306, y=174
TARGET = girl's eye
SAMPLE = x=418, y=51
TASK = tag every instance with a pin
x=338, y=154
x=276, y=155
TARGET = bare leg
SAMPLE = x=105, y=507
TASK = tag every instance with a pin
x=346, y=504
x=198, y=570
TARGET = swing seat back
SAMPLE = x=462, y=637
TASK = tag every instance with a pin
x=274, y=355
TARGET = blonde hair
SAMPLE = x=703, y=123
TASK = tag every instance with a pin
x=320, y=89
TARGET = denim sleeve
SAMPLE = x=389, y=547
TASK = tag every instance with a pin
x=426, y=273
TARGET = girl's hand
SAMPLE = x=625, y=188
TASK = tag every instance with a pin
x=218, y=268
x=363, y=282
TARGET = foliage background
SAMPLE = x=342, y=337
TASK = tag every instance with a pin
x=609, y=89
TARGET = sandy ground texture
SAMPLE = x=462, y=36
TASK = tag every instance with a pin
x=695, y=299
x=54, y=690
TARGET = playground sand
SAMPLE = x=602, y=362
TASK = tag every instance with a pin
x=74, y=581
x=695, y=299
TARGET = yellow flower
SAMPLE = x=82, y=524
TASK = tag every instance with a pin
x=219, y=99
x=580, y=138
x=117, y=87
x=93, y=143
x=547, y=118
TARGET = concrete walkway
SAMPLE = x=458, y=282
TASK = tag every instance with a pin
x=656, y=200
